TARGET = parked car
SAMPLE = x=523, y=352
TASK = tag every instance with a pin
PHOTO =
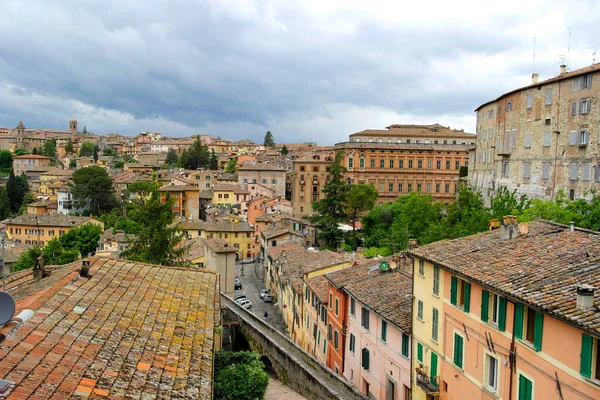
x=248, y=260
x=263, y=293
x=239, y=296
x=237, y=284
x=245, y=303
x=268, y=298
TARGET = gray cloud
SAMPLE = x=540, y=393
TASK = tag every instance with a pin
x=306, y=70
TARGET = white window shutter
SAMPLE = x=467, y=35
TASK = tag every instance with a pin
x=573, y=138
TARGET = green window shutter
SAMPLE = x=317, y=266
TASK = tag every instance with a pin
x=433, y=369
x=467, y=297
x=525, y=388
x=324, y=346
x=537, y=334
x=453, y=284
x=365, y=358
x=419, y=352
x=485, y=305
x=502, y=314
x=585, y=364
x=383, y=331
x=319, y=337
x=405, y=344
x=518, y=321
x=458, y=350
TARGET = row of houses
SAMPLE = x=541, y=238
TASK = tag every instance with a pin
x=509, y=313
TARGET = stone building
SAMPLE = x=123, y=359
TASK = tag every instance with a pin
x=267, y=174
x=540, y=138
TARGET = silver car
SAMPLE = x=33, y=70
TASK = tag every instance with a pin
x=245, y=303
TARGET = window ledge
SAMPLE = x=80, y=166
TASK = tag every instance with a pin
x=435, y=295
x=491, y=391
x=528, y=344
x=595, y=382
x=419, y=319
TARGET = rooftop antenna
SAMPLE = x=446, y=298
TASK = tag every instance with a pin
x=533, y=66
x=7, y=307
x=593, y=55
x=569, y=47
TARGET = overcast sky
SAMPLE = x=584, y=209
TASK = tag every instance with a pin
x=307, y=70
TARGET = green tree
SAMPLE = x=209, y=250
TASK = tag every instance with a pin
x=197, y=156
x=171, y=157
x=467, y=215
x=83, y=239
x=119, y=164
x=141, y=191
x=4, y=204
x=231, y=166
x=107, y=151
x=27, y=258
x=284, y=150
x=86, y=149
x=84, y=130
x=6, y=159
x=49, y=149
x=360, y=198
x=505, y=202
x=27, y=199
x=55, y=253
x=95, y=153
x=17, y=187
x=69, y=149
x=72, y=163
x=269, y=140
x=20, y=152
x=330, y=211
x=93, y=189
x=214, y=161
x=239, y=375
x=157, y=237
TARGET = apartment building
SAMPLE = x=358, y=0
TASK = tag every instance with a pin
x=267, y=174
x=41, y=228
x=237, y=234
x=27, y=162
x=187, y=200
x=509, y=313
x=541, y=138
x=307, y=179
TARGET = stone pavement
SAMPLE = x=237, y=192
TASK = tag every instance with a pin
x=278, y=391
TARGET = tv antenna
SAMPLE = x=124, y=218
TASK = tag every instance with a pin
x=533, y=66
x=569, y=46
x=7, y=307
x=593, y=55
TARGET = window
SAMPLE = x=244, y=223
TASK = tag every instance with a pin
x=410, y=164
x=319, y=337
x=419, y=352
x=585, y=171
x=505, y=169
x=273, y=181
x=436, y=280
x=329, y=332
x=419, y=186
x=434, y=324
x=548, y=97
x=527, y=140
x=433, y=369
x=330, y=300
x=529, y=101
x=589, y=364
x=547, y=121
x=438, y=164
x=384, y=331
x=491, y=372
x=365, y=358
x=352, y=306
x=264, y=181
x=382, y=163
x=597, y=172
x=401, y=163
x=584, y=138
x=437, y=187
x=350, y=162
x=336, y=340
x=509, y=106
x=391, y=164
x=573, y=171
x=526, y=170
x=491, y=134
x=546, y=139
x=429, y=164
x=337, y=305
x=421, y=267
x=574, y=108
x=525, y=388
x=324, y=346
x=458, y=350
x=364, y=318
x=584, y=106
x=419, y=164
x=390, y=187
x=546, y=170
x=460, y=293
x=447, y=188
x=372, y=163
x=428, y=188
x=352, y=343
x=409, y=187
x=493, y=309
x=400, y=188
x=361, y=163
x=529, y=325
x=405, y=344
x=586, y=81
x=573, y=138
x=514, y=138
x=447, y=164
x=420, y=310
x=381, y=187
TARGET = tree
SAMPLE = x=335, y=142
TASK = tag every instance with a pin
x=269, y=141
x=95, y=154
x=107, y=151
x=49, y=149
x=27, y=199
x=156, y=238
x=4, y=204
x=330, y=211
x=119, y=164
x=27, y=258
x=55, y=253
x=86, y=149
x=17, y=187
x=171, y=157
x=84, y=239
x=20, y=152
x=214, y=161
x=6, y=159
x=72, y=163
x=239, y=375
x=230, y=169
x=467, y=215
x=284, y=150
x=197, y=156
x=69, y=149
x=84, y=130
x=505, y=202
x=141, y=191
x=360, y=198
x=93, y=189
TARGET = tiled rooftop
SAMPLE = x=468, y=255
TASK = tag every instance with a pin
x=133, y=330
x=59, y=220
x=220, y=245
x=218, y=226
x=541, y=268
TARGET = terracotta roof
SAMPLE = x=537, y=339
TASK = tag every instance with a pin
x=398, y=130
x=318, y=284
x=30, y=156
x=541, y=268
x=220, y=245
x=297, y=260
x=59, y=220
x=218, y=226
x=259, y=166
x=178, y=188
x=132, y=330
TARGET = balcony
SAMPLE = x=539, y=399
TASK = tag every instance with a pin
x=504, y=152
x=426, y=383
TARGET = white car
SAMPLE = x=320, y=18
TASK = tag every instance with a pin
x=245, y=303
x=263, y=293
x=248, y=260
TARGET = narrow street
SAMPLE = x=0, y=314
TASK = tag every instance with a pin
x=251, y=276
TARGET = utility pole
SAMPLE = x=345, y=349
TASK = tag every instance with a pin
x=2, y=265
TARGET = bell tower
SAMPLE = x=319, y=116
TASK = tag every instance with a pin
x=73, y=125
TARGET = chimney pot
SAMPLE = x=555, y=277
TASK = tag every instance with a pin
x=509, y=228
x=534, y=78
x=563, y=69
x=412, y=244
x=585, y=297
x=572, y=226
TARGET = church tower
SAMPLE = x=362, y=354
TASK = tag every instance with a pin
x=20, y=130
x=73, y=125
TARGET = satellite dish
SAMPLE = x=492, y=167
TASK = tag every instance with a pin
x=7, y=307
x=384, y=266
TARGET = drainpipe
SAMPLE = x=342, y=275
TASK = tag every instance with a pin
x=512, y=355
x=557, y=131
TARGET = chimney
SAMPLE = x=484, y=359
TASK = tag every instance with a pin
x=412, y=244
x=563, y=69
x=509, y=228
x=493, y=224
x=534, y=78
x=585, y=297
x=572, y=226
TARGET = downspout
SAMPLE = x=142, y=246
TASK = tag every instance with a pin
x=557, y=131
x=512, y=356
